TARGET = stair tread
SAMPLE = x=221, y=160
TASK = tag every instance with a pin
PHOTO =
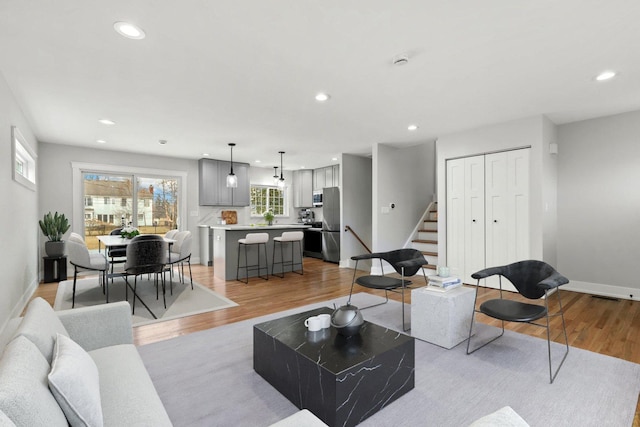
x=430, y=220
x=426, y=230
x=429, y=253
x=424, y=241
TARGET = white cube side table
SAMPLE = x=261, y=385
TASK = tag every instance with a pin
x=442, y=318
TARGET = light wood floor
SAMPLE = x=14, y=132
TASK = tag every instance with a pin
x=599, y=325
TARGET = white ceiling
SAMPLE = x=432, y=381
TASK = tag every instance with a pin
x=213, y=72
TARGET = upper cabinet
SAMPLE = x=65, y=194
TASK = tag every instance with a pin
x=303, y=188
x=326, y=177
x=213, y=190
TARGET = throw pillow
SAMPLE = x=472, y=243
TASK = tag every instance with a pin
x=24, y=396
x=74, y=382
x=40, y=326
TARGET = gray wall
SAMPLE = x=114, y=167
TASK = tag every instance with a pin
x=19, y=215
x=355, y=198
x=403, y=176
x=599, y=204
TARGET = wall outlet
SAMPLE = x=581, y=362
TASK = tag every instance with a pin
x=385, y=210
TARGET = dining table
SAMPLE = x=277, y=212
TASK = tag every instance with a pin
x=113, y=240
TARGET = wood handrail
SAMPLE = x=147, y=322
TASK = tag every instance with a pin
x=347, y=228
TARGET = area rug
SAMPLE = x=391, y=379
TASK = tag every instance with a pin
x=207, y=378
x=183, y=302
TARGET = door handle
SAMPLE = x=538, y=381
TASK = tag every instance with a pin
x=495, y=220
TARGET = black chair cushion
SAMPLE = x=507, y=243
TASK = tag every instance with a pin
x=118, y=251
x=381, y=282
x=512, y=311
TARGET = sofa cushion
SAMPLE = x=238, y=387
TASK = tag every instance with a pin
x=128, y=395
x=24, y=391
x=40, y=326
x=74, y=382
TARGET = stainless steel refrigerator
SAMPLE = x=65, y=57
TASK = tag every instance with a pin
x=331, y=224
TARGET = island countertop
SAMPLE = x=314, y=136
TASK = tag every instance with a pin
x=258, y=227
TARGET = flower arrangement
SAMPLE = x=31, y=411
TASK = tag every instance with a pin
x=129, y=232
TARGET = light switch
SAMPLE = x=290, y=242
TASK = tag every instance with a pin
x=193, y=213
x=385, y=210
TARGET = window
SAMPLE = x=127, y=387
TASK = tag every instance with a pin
x=88, y=201
x=264, y=198
x=153, y=200
x=24, y=160
x=106, y=200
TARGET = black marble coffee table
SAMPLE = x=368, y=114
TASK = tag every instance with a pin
x=341, y=380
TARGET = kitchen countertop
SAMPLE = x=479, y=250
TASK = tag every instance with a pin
x=238, y=227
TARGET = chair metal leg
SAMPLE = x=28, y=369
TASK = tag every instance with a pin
x=190, y=275
x=552, y=375
x=75, y=276
x=473, y=316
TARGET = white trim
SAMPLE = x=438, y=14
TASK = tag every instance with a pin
x=622, y=292
x=20, y=148
x=79, y=167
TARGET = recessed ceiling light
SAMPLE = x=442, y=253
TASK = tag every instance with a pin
x=321, y=97
x=129, y=31
x=101, y=141
x=258, y=161
x=335, y=159
x=162, y=142
x=107, y=122
x=301, y=167
x=605, y=75
x=412, y=127
x=205, y=154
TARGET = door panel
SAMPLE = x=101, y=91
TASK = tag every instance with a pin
x=475, y=217
x=455, y=217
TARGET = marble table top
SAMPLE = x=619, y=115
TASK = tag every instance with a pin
x=329, y=349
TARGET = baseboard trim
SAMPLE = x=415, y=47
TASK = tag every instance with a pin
x=621, y=292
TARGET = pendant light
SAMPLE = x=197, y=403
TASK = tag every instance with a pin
x=281, y=180
x=232, y=179
x=275, y=175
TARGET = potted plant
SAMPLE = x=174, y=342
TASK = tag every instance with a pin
x=268, y=216
x=54, y=226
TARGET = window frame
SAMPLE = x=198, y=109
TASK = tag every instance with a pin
x=23, y=153
x=78, y=168
x=285, y=205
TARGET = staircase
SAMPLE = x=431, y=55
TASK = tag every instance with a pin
x=427, y=238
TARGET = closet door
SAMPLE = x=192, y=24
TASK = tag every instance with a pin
x=455, y=217
x=474, y=239
x=507, y=210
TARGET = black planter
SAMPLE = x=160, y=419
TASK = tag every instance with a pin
x=54, y=249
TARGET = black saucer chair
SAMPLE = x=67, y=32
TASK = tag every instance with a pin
x=406, y=262
x=533, y=280
x=146, y=254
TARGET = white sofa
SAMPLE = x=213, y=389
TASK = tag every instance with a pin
x=79, y=367
x=46, y=379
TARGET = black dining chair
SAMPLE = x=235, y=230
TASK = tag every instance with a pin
x=146, y=254
x=406, y=262
x=116, y=254
x=533, y=280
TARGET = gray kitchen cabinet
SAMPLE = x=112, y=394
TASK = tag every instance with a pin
x=336, y=175
x=328, y=176
x=303, y=188
x=213, y=190
x=319, y=179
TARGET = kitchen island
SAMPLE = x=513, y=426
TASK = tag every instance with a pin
x=225, y=247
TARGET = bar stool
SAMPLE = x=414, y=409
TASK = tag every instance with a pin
x=249, y=240
x=292, y=237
